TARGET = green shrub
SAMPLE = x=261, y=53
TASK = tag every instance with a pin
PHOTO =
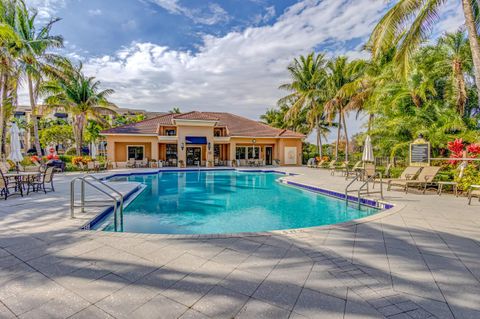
x=471, y=176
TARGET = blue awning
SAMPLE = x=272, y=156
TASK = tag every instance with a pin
x=196, y=140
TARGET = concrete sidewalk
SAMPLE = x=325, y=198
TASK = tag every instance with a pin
x=418, y=261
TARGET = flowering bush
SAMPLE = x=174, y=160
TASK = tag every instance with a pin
x=457, y=149
x=81, y=159
x=34, y=158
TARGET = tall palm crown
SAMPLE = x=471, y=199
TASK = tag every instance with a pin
x=307, y=87
x=341, y=72
x=80, y=96
x=409, y=23
x=33, y=55
x=456, y=57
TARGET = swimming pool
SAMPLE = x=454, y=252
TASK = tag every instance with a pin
x=216, y=202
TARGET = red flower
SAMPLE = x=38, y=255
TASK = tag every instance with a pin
x=473, y=150
x=456, y=149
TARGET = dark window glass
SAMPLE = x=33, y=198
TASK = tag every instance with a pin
x=241, y=154
x=135, y=152
x=171, y=151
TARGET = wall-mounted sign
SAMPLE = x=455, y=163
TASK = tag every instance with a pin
x=420, y=153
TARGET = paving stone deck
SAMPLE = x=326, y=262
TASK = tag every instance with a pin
x=420, y=260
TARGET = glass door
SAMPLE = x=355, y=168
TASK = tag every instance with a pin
x=268, y=155
x=194, y=155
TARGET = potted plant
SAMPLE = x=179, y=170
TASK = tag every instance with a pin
x=181, y=164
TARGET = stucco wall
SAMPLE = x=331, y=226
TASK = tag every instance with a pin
x=117, y=152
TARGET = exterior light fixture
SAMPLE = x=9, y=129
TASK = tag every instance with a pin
x=254, y=141
x=209, y=146
x=182, y=146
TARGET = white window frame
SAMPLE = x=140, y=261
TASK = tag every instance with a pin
x=142, y=146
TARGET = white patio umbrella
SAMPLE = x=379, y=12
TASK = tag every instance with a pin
x=93, y=150
x=368, y=150
x=15, y=147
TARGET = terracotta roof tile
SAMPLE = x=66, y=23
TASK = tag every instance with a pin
x=236, y=125
x=201, y=116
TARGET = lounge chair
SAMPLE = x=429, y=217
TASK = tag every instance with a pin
x=311, y=162
x=343, y=168
x=474, y=190
x=44, y=179
x=321, y=164
x=331, y=166
x=454, y=183
x=424, y=179
x=408, y=173
x=356, y=169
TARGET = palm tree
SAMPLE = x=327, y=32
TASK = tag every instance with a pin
x=35, y=43
x=80, y=96
x=308, y=90
x=340, y=73
x=457, y=58
x=411, y=21
x=175, y=110
x=10, y=45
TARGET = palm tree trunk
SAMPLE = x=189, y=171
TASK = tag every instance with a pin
x=79, y=123
x=370, y=122
x=474, y=42
x=319, y=138
x=338, y=134
x=36, y=139
x=3, y=118
x=460, y=84
x=346, y=137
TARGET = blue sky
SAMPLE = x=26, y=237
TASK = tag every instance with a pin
x=216, y=55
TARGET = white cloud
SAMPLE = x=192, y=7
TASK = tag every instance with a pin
x=211, y=15
x=46, y=8
x=241, y=71
x=269, y=14
x=95, y=12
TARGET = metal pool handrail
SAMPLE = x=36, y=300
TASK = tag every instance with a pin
x=84, y=180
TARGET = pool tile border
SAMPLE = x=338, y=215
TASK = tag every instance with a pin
x=386, y=208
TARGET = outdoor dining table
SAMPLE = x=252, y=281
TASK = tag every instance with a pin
x=19, y=178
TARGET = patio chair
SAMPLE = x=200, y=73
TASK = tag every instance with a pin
x=81, y=166
x=424, y=179
x=131, y=163
x=408, y=173
x=4, y=167
x=144, y=163
x=92, y=166
x=474, y=190
x=44, y=179
x=5, y=185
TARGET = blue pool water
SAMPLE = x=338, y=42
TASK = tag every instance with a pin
x=208, y=202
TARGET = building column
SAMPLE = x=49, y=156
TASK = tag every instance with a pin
x=233, y=151
x=154, y=148
x=182, y=154
x=111, y=150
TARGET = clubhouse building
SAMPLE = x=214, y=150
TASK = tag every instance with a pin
x=203, y=139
